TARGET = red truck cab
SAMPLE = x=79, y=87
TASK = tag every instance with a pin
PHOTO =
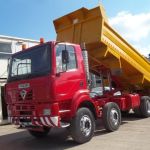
x=37, y=84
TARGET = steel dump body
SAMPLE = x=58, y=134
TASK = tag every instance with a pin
x=105, y=46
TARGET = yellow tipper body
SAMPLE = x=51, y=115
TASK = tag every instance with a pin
x=105, y=46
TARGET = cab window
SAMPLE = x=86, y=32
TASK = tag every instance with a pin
x=72, y=63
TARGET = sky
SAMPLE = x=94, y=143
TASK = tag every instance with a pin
x=34, y=18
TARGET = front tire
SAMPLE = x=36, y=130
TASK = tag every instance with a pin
x=39, y=134
x=111, y=116
x=82, y=126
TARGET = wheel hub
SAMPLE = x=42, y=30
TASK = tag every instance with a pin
x=85, y=125
x=114, y=116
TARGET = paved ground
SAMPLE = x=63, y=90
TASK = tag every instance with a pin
x=134, y=134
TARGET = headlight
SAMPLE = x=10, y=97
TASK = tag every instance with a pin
x=46, y=112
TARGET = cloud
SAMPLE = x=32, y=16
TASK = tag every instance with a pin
x=135, y=28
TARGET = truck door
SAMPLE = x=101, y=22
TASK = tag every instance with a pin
x=67, y=75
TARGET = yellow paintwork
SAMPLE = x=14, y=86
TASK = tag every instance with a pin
x=104, y=45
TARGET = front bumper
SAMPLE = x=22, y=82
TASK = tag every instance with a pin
x=34, y=114
x=29, y=121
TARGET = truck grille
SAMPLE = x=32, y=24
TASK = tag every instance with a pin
x=25, y=120
x=27, y=113
x=29, y=96
x=26, y=107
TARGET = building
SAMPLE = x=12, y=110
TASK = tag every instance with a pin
x=8, y=46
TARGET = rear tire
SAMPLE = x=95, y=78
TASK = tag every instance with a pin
x=82, y=126
x=145, y=106
x=39, y=134
x=111, y=116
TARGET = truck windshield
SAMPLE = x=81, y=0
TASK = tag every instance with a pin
x=30, y=63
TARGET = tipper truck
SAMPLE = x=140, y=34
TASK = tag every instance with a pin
x=89, y=73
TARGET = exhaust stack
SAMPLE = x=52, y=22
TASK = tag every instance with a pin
x=86, y=63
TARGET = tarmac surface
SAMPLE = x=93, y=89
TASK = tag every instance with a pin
x=133, y=134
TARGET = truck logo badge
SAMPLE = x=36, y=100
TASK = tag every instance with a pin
x=24, y=86
x=23, y=94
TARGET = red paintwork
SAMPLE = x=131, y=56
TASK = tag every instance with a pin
x=62, y=93
x=127, y=101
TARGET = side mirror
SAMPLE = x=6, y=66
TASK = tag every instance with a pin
x=65, y=57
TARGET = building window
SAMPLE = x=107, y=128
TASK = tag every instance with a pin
x=5, y=50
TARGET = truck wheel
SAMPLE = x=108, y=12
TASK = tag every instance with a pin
x=82, y=126
x=145, y=106
x=39, y=134
x=111, y=116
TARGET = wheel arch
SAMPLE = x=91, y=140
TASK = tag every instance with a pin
x=90, y=106
x=83, y=100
